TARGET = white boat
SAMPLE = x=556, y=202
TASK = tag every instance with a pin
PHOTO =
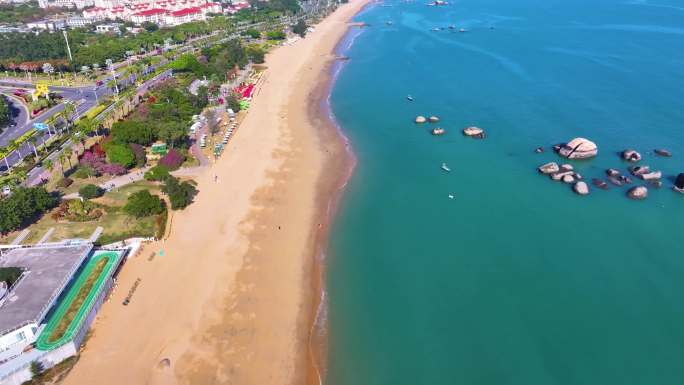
x=445, y=167
x=451, y=196
x=409, y=98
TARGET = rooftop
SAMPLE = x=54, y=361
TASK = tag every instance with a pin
x=150, y=12
x=186, y=11
x=47, y=271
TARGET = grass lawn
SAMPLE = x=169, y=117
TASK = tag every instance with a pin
x=117, y=225
x=78, y=301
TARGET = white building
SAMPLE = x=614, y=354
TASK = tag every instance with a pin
x=47, y=25
x=78, y=22
x=108, y=28
x=46, y=273
x=162, y=12
x=78, y=4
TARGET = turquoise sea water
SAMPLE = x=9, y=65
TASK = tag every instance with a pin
x=516, y=281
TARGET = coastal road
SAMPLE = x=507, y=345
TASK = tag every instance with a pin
x=38, y=173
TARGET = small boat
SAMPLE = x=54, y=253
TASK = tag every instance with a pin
x=389, y=22
x=409, y=98
x=462, y=30
x=451, y=196
x=452, y=26
x=445, y=167
x=438, y=131
x=436, y=29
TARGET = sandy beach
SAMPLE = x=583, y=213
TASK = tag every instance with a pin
x=231, y=298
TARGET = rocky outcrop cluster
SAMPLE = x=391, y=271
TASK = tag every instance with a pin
x=565, y=173
x=581, y=148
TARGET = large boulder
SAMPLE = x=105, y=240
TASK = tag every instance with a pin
x=638, y=192
x=679, y=183
x=420, y=119
x=549, y=168
x=631, y=155
x=581, y=188
x=579, y=148
x=474, y=132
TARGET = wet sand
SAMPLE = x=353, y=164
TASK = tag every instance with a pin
x=233, y=297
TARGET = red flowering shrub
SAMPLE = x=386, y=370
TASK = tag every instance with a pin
x=172, y=160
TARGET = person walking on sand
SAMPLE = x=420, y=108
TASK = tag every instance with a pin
x=215, y=178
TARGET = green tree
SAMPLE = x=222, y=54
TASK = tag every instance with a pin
x=157, y=173
x=22, y=206
x=143, y=204
x=253, y=33
x=150, y=27
x=4, y=111
x=37, y=368
x=120, y=154
x=255, y=54
x=132, y=131
x=180, y=194
x=276, y=34
x=300, y=28
x=90, y=191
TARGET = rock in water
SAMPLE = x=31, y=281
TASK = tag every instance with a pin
x=568, y=178
x=566, y=167
x=657, y=183
x=615, y=180
x=561, y=175
x=539, y=150
x=639, y=170
x=474, y=132
x=612, y=172
x=581, y=188
x=631, y=156
x=579, y=148
x=679, y=183
x=434, y=119
x=663, y=152
x=638, y=192
x=654, y=175
x=600, y=183
x=549, y=168
x=420, y=119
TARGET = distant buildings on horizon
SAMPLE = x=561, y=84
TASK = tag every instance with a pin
x=160, y=12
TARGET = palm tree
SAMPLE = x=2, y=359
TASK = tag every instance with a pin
x=2, y=150
x=33, y=141
x=70, y=153
x=13, y=143
x=61, y=157
x=49, y=165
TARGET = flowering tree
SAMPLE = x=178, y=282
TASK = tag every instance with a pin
x=48, y=69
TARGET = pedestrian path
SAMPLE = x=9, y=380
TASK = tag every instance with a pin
x=20, y=238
